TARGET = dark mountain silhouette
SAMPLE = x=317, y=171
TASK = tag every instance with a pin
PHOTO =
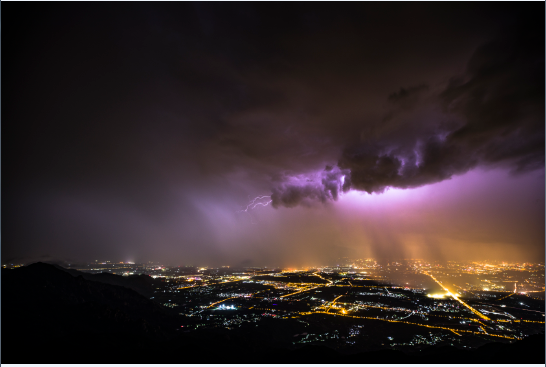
x=50, y=315
x=142, y=284
x=61, y=316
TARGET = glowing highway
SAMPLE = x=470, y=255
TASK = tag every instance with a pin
x=456, y=298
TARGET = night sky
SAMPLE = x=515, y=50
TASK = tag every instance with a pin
x=142, y=132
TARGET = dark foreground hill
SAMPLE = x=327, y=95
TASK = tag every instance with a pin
x=52, y=316
x=142, y=284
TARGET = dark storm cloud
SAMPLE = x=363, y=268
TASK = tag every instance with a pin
x=501, y=99
x=146, y=126
x=497, y=107
x=406, y=96
x=404, y=99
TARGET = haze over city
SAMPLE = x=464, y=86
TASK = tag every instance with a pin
x=138, y=132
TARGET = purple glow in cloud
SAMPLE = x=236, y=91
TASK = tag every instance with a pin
x=323, y=186
x=430, y=135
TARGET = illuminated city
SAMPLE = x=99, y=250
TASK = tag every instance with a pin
x=404, y=305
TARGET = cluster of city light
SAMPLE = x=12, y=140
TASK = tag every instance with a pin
x=456, y=331
x=334, y=307
x=215, y=303
x=343, y=311
x=224, y=307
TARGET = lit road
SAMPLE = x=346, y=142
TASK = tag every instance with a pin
x=303, y=290
x=511, y=294
x=191, y=286
x=320, y=276
x=333, y=302
x=311, y=287
x=457, y=298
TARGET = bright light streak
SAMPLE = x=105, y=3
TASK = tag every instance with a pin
x=254, y=203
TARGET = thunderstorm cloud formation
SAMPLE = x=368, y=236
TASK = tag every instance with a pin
x=491, y=115
x=273, y=133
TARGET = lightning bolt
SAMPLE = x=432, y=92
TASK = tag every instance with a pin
x=255, y=202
